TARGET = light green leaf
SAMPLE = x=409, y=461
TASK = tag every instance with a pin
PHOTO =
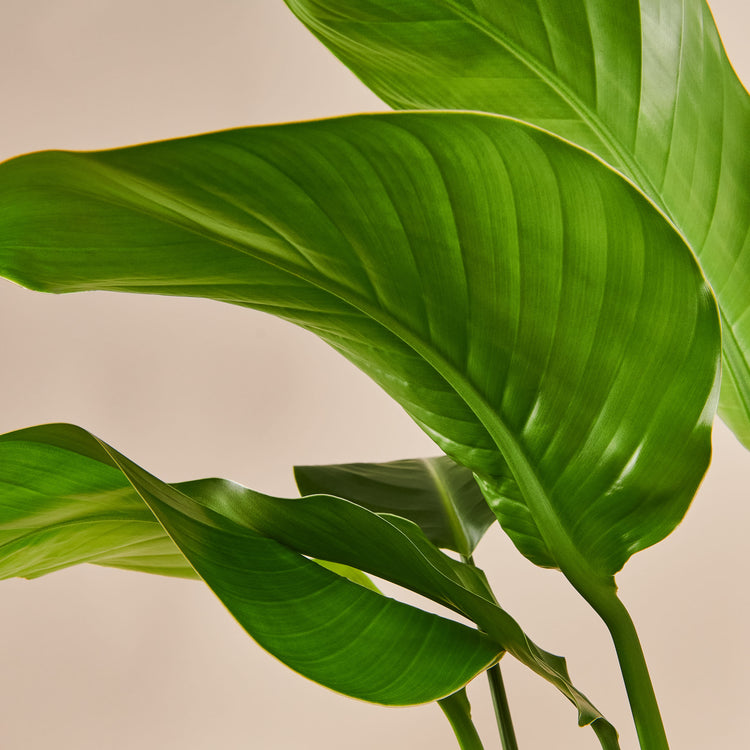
x=249, y=548
x=352, y=574
x=530, y=309
x=437, y=494
x=645, y=85
x=58, y=510
x=335, y=632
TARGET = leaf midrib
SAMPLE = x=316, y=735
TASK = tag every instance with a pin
x=446, y=501
x=587, y=115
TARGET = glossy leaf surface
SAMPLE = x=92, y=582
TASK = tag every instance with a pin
x=503, y=286
x=645, y=85
x=248, y=547
x=437, y=494
x=329, y=629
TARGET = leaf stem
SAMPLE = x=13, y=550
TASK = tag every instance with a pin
x=502, y=710
x=457, y=709
x=499, y=696
x=643, y=705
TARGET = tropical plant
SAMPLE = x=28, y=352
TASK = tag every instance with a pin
x=535, y=307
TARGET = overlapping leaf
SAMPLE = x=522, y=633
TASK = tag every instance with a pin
x=248, y=547
x=327, y=628
x=437, y=494
x=527, y=307
x=645, y=85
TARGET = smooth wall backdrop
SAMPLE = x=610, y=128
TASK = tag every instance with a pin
x=96, y=659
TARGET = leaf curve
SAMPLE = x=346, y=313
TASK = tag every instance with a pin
x=247, y=547
x=644, y=84
x=496, y=281
x=335, y=632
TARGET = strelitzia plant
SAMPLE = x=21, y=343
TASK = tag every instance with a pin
x=548, y=284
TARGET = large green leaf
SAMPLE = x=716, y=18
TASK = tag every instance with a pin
x=329, y=629
x=248, y=546
x=645, y=84
x=529, y=308
x=437, y=494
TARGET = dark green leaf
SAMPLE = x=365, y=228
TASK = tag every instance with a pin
x=645, y=85
x=252, y=550
x=335, y=632
x=437, y=494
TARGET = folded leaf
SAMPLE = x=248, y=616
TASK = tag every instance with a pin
x=58, y=509
x=249, y=548
x=530, y=309
x=645, y=85
x=437, y=494
x=329, y=629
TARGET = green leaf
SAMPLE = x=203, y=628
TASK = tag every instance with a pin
x=335, y=632
x=437, y=494
x=58, y=510
x=645, y=85
x=529, y=308
x=253, y=552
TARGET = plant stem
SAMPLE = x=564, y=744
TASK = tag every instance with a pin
x=502, y=710
x=643, y=705
x=457, y=709
x=499, y=697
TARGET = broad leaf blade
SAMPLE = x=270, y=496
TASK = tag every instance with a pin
x=248, y=547
x=529, y=308
x=329, y=629
x=439, y=495
x=645, y=85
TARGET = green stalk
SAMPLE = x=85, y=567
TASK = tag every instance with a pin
x=457, y=709
x=648, y=722
x=499, y=696
x=502, y=710
x=643, y=705
x=597, y=589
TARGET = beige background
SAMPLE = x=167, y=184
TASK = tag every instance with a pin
x=93, y=659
